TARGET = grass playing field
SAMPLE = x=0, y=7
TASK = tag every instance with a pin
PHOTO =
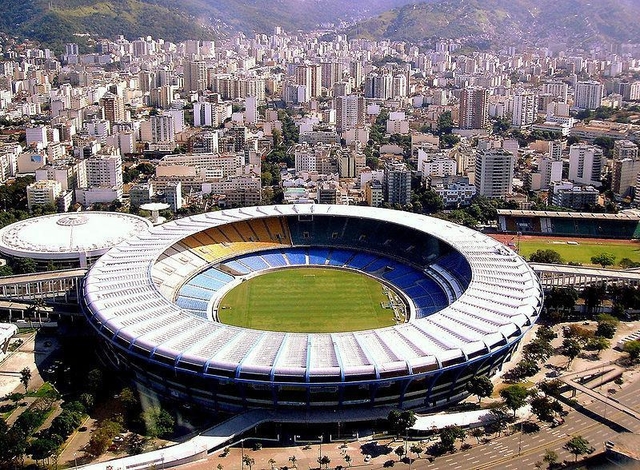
x=584, y=250
x=307, y=300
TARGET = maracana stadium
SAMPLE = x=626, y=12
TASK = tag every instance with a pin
x=456, y=304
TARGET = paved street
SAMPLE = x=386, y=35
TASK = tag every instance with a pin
x=516, y=451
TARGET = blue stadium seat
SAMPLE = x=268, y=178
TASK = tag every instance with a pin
x=274, y=259
x=237, y=267
x=340, y=257
x=318, y=256
x=360, y=260
x=296, y=256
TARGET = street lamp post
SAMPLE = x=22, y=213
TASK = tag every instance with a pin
x=75, y=460
x=520, y=440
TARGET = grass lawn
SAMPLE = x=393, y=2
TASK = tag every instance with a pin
x=45, y=390
x=583, y=251
x=307, y=300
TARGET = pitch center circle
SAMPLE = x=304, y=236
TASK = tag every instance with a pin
x=311, y=300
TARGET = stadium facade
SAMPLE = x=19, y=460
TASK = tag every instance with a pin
x=153, y=298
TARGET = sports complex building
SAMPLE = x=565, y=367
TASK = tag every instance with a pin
x=68, y=240
x=466, y=302
x=624, y=225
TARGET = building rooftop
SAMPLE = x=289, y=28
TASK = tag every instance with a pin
x=570, y=215
x=64, y=236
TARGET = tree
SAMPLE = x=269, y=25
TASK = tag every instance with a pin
x=94, y=380
x=99, y=442
x=272, y=462
x=6, y=270
x=480, y=386
x=627, y=263
x=632, y=348
x=545, y=408
x=545, y=256
x=560, y=300
x=416, y=449
x=399, y=451
x=348, y=459
x=24, y=266
x=445, y=123
x=87, y=400
x=42, y=448
x=545, y=333
x=582, y=335
x=550, y=457
x=538, y=350
x=499, y=417
x=25, y=378
x=593, y=296
x=448, y=141
x=604, y=259
x=525, y=368
x=293, y=459
x=578, y=445
x=598, y=344
x=248, y=461
x=607, y=325
x=571, y=348
x=514, y=396
x=324, y=460
x=13, y=444
x=448, y=436
x=550, y=387
x=400, y=421
x=65, y=423
x=158, y=422
x=477, y=433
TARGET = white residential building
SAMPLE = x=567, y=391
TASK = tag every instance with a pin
x=157, y=129
x=43, y=193
x=588, y=95
x=524, y=108
x=494, y=173
x=586, y=163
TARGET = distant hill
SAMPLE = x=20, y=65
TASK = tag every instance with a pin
x=485, y=22
x=56, y=21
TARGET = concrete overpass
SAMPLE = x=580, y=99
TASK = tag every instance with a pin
x=65, y=284
x=560, y=275
x=611, y=371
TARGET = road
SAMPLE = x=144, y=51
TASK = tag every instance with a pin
x=515, y=451
x=503, y=452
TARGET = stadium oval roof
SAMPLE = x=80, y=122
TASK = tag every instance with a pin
x=69, y=235
x=124, y=302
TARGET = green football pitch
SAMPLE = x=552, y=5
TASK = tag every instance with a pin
x=581, y=251
x=307, y=300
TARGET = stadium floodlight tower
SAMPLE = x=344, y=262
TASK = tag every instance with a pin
x=153, y=302
x=155, y=208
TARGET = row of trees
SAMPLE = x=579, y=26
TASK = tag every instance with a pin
x=602, y=259
x=21, y=439
x=538, y=350
x=561, y=301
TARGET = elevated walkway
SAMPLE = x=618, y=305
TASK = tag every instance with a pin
x=560, y=275
x=48, y=285
x=570, y=380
